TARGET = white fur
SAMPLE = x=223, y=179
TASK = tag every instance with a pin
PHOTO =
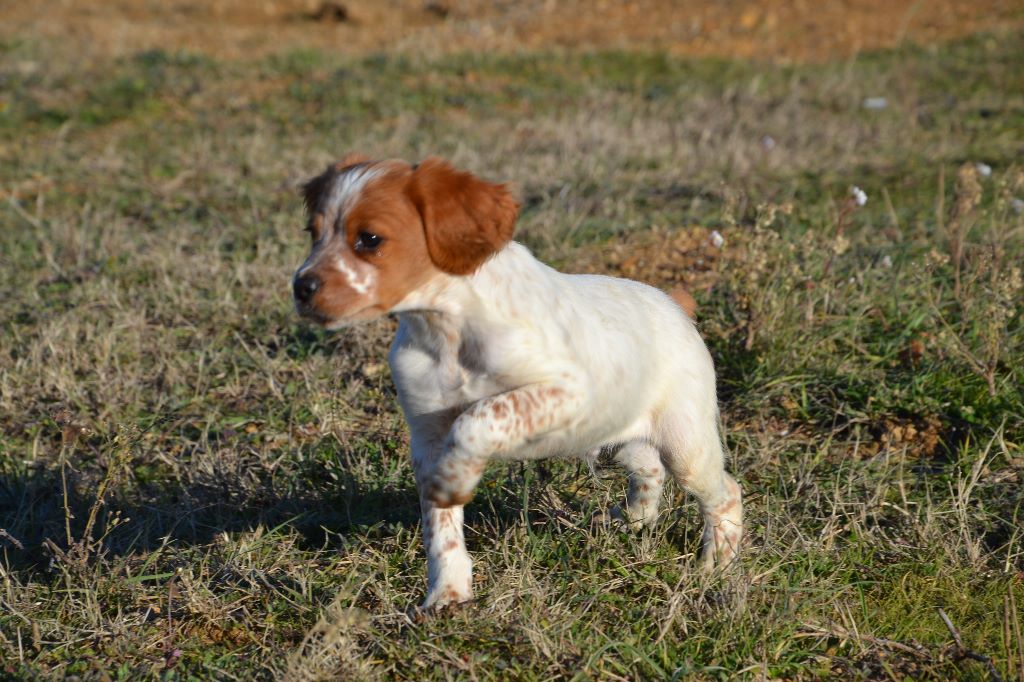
x=361, y=282
x=519, y=361
x=347, y=188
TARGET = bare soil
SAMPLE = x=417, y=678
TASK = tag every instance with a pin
x=788, y=30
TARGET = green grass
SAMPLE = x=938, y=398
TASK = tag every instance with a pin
x=190, y=474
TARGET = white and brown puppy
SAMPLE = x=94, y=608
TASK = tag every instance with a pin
x=499, y=356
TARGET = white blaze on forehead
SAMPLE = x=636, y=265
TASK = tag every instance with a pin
x=343, y=194
x=347, y=188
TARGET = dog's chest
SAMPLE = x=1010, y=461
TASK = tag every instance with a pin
x=438, y=366
x=464, y=373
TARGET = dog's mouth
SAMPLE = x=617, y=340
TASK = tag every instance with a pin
x=312, y=314
x=317, y=317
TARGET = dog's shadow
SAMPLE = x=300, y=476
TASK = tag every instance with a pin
x=39, y=507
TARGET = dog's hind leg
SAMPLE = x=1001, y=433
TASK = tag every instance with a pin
x=691, y=450
x=646, y=480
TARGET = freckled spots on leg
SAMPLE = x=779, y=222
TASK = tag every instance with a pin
x=727, y=508
x=644, y=487
x=552, y=393
x=450, y=545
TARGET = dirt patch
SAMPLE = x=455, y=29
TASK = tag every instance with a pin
x=688, y=257
x=791, y=30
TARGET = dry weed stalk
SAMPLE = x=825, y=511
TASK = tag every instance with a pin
x=78, y=551
x=754, y=284
x=986, y=289
x=840, y=244
x=968, y=196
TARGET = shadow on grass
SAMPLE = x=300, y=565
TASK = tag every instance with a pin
x=139, y=519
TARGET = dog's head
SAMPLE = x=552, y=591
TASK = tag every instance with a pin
x=383, y=229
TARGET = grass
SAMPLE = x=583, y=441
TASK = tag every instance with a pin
x=194, y=484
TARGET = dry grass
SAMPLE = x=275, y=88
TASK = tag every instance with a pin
x=193, y=484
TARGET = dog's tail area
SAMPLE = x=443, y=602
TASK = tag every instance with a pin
x=685, y=300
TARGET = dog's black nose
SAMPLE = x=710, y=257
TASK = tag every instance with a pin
x=304, y=287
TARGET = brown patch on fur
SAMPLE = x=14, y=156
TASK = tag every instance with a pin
x=729, y=506
x=466, y=219
x=552, y=392
x=450, y=545
x=515, y=402
x=685, y=300
x=444, y=506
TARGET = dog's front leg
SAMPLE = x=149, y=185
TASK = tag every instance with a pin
x=497, y=426
x=449, y=567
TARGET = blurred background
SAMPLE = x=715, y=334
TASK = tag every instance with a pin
x=782, y=30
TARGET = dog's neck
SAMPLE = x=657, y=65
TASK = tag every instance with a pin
x=447, y=301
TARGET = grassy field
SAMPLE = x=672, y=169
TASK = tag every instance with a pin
x=194, y=484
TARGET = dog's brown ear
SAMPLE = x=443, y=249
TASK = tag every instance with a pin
x=314, y=188
x=466, y=219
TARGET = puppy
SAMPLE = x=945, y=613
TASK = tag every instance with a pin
x=499, y=356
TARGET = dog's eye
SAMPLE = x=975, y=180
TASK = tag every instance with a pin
x=368, y=241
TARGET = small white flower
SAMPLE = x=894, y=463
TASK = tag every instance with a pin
x=1017, y=205
x=984, y=170
x=716, y=239
x=768, y=142
x=886, y=261
x=859, y=196
x=875, y=103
